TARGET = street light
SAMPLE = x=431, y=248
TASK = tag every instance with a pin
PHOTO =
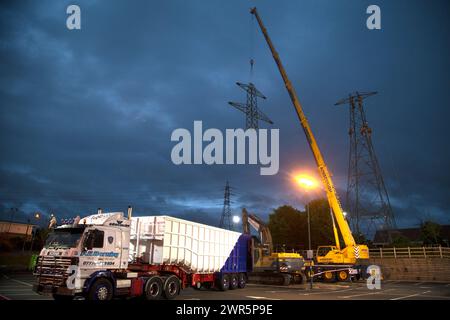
x=236, y=219
x=37, y=216
x=308, y=183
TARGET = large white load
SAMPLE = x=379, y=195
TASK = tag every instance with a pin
x=167, y=240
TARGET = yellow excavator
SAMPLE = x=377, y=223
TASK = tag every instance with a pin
x=333, y=259
x=268, y=266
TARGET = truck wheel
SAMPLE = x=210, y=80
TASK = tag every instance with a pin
x=234, y=281
x=153, y=288
x=343, y=275
x=171, y=287
x=328, y=276
x=242, y=281
x=224, y=282
x=102, y=289
x=59, y=297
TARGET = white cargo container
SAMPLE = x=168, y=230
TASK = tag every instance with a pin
x=160, y=240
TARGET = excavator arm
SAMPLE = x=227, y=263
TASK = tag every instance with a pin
x=325, y=175
x=259, y=225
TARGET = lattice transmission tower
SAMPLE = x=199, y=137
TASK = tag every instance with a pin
x=367, y=200
x=252, y=114
x=225, y=219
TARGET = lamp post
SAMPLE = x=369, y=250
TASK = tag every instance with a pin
x=26, y=235
x=308, y=183
x=37, y=216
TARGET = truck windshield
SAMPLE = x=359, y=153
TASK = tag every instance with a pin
x=64, y=238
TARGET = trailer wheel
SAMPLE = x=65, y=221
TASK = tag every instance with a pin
x=171, y=287
x=102, y=289
x=342, y=275
x=224, y=282
x=234, y=281
x=328, y=276
x=242, y=281
x=153, y=288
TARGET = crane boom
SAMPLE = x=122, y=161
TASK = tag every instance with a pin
x=332, y=196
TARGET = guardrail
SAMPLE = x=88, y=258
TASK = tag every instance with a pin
x=410, y=252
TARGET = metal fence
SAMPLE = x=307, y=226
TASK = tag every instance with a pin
x=411, y=252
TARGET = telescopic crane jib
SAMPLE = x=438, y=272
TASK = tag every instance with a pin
x=352, y=250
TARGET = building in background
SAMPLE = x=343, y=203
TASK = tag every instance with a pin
x=10, y=229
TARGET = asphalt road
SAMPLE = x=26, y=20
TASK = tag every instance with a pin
x=18, y=287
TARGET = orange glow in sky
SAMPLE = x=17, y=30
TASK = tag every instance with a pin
x=305, y=181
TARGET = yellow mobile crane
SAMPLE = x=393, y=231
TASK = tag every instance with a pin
x=332, y=255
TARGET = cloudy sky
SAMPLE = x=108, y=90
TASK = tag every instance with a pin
x=86, y=115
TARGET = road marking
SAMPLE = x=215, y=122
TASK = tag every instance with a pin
x=261, y=298
x=325, y=292
x=418, y=283
x=276, y=291
x=365, y=294
x=426, y=287
x=15, y=289
x=192, y=299
x=294, y=286
x=410, y=296
x=22, y=294
x=21, y=282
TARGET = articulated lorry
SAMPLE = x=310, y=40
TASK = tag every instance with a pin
x=107, y=255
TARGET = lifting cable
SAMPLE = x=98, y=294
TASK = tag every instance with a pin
x=252, y=30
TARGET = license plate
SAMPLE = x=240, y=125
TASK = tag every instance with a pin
x=353, y=271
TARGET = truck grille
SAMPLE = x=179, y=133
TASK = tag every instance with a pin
x=52, y=270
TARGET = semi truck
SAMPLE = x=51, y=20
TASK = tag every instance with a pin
x=108, y=255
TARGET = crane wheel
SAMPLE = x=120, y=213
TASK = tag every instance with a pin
x=343, y=275
x=328, y=276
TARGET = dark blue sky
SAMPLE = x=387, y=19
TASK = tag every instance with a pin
x=86, y=116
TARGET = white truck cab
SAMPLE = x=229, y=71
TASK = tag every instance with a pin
x=74, y=256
